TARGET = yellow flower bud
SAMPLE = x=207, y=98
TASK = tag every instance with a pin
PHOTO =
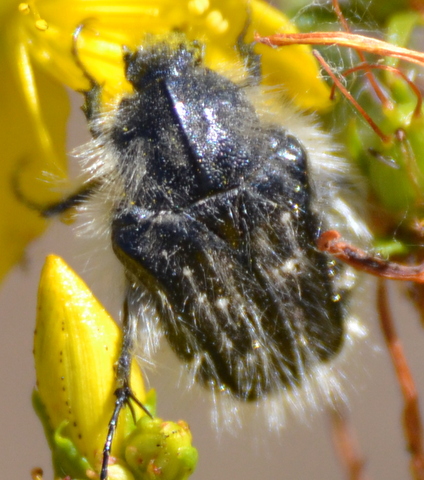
x=76, y=347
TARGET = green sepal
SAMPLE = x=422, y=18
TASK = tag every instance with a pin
x=65, y=457
x=151, y=402
x=399, y=29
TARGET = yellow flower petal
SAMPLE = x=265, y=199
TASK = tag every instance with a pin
x=217, y=23
x=294, y=69
x=24, y=158
x=76, y=346
x=6, y=6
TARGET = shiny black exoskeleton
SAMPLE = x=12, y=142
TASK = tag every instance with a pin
x=216, y=229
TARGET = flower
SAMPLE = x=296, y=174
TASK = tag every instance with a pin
x=32, y=141
x=76, y=346
x=37, y=61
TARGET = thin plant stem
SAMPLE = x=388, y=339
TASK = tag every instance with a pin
x=412, y=423
x=346, y=444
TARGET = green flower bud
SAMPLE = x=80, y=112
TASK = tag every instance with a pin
x=158, y=449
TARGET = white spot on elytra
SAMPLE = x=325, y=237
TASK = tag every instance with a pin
x=222, y=303
x=202, y=298
x=289, y=266
x=187, y=272
x=286, y=218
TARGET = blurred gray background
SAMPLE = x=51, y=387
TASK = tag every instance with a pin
x=302, y=450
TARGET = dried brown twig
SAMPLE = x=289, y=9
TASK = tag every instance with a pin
x=346, y=444
x=344, y=39
x=411, y=414
x=331, y=242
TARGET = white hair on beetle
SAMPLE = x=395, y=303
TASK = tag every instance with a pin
x=322, y=383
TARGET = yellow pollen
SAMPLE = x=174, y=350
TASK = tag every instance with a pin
x=198, y=7
x=23, y=8
x=41, y=25
x=216, y=22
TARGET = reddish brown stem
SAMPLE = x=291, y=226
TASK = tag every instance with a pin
x=343, y=39
x=331, y=242
x=385, y=138
x=414, y=88
x=383, y=99
x=346, y=445
x=411, y=413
